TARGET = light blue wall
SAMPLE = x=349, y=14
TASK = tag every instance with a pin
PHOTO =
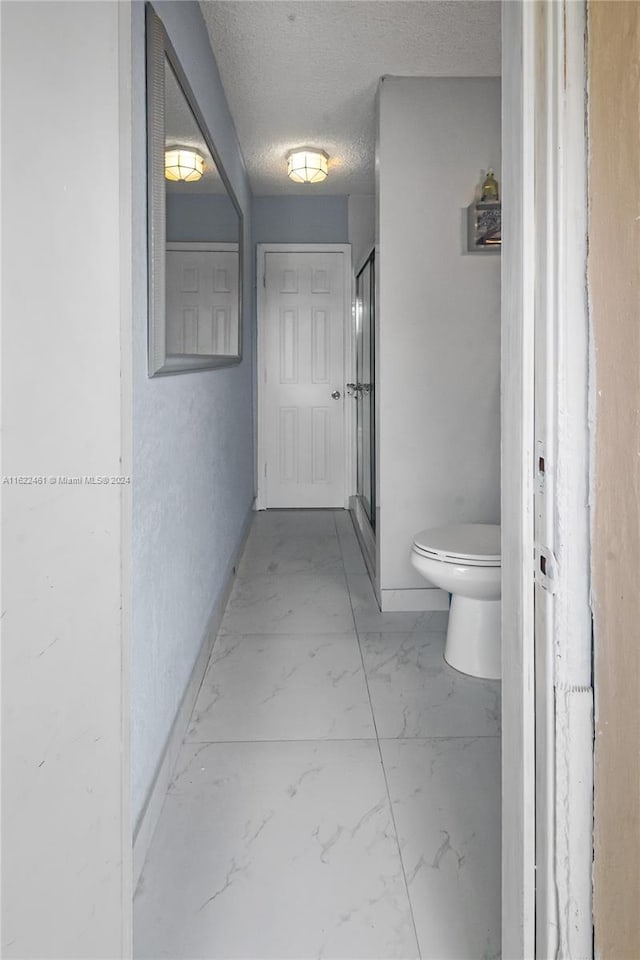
x=200, y=218
x=193, y=466
x=300, y=220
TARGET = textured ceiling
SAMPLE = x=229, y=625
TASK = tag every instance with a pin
x=305, y=72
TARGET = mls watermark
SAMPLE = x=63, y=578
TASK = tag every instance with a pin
x=64, y=481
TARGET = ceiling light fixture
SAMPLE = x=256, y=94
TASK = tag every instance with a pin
x=183, y=163
x=307, y=165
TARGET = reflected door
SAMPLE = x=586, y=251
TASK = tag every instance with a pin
x=201, y=299
x=365, y=389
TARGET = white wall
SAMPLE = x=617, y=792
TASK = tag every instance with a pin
x=66, y=312
x=362, y=228
x=439, y=316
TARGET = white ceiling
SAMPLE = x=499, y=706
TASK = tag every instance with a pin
x=305, y=72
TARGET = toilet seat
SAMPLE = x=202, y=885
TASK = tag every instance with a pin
x=468, y=544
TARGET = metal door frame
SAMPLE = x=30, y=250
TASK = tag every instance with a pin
x=371, y=259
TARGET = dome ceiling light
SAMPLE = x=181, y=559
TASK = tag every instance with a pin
x=307, y=165
x=183, y=163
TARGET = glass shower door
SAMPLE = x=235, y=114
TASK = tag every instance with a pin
x=364, y=389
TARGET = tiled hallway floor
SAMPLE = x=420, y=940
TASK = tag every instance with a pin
x=338, y=791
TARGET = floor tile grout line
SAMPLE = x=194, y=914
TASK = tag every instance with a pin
x=215, y=743
x=243, y=634
x=457, y=736
x=386, y=780
x=246, y=634
x=376, y=739
x=324, y=633
x=297, y=574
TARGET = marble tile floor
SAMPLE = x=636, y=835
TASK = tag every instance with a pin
x=338, y=791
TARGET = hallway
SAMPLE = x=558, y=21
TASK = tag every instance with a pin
x=338, y=791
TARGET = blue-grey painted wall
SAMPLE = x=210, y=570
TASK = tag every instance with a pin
x=202, y=217
x=300, y=219
x=193, y=462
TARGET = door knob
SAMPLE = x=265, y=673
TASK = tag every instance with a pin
x=336, y=394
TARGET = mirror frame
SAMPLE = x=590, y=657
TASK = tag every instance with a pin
x=159, y=49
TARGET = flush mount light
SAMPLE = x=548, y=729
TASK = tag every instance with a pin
x=307, y=165
x=183, y=163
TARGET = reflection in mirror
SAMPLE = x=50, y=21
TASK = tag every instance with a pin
x=202, y=231
x=195, y=228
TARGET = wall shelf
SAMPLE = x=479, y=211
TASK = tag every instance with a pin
x=484, y=227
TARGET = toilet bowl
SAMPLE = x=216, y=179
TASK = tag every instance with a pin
x=465, y=561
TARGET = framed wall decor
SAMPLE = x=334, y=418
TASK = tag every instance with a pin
x=195, y=227
x=484, y=226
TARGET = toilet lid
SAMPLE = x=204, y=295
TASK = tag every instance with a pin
x=473, y=543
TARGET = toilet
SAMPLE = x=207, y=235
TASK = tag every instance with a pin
x=465, y=560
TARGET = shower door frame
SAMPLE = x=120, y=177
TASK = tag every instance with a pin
x=360, y=398
x=365, y=530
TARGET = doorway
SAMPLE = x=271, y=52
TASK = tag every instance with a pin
x=303, y=301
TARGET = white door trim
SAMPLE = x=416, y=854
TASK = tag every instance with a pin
x=544, y=84
x=518, y=286
x=349, y=437
x=565, y=927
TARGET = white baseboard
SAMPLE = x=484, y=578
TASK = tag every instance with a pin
x=429, y=598
x=150, y=815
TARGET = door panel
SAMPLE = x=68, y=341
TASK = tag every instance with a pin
x=302, y=329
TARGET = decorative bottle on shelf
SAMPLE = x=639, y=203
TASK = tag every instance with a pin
x=484, y=216
x=489, y=192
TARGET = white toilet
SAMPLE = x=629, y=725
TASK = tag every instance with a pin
x=465, y=561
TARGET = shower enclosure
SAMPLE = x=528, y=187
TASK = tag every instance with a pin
x=363, y=505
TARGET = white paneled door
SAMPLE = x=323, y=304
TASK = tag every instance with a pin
x=301, y=412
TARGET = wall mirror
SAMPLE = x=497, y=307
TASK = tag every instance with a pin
x=195, y=227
